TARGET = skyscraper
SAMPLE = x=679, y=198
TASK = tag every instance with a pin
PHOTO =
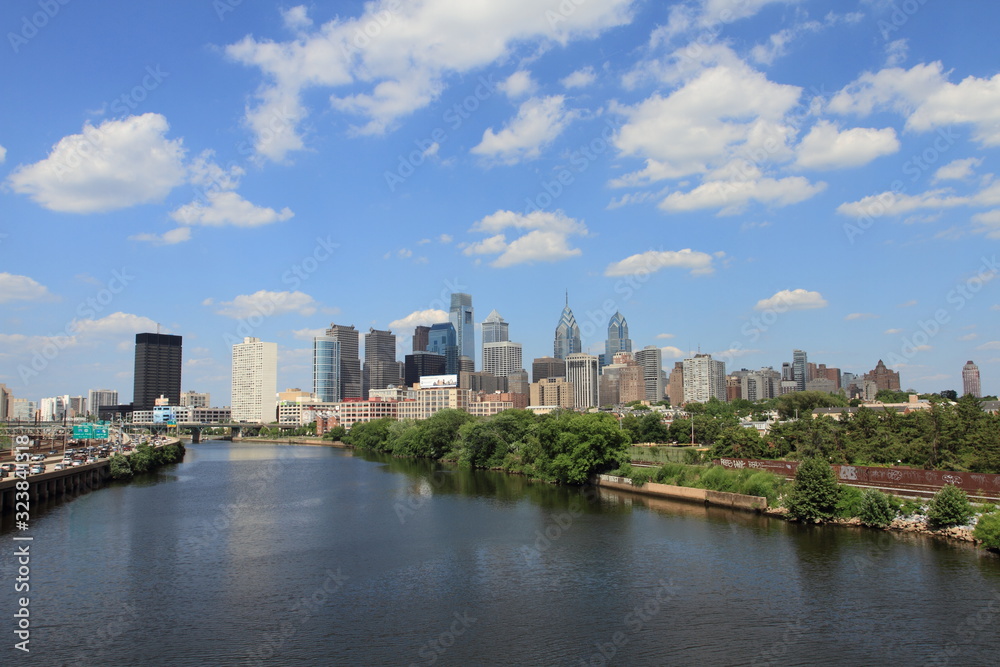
x=443, y=340
x=381, y=368
x=157, y=369
x=650, y=358
x=350, y=362
x=502, y=358
x=495, y=329
x=461, y=316
x=883, y=378
x=704, y=378
x=326, y=369
x=618, y=340
x=800, y=369
x=581, y=371
x=422, y=363
x=675, y=386
x=420, y=338
x=547, y=367
x=970, y=380
x=567, y=340
x=98, y=398
x=255, y=381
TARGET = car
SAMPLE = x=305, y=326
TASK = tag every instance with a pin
x=60, y=466
x=52, y=452
x=38, y=457
x=77, y=463
x=37, y=470
x=3, y=473
x=8, y=467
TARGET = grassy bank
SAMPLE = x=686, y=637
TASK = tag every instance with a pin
x=747, y=482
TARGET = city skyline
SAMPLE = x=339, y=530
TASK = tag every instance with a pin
x=210, y=187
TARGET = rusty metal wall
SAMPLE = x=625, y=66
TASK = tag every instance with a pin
x=914, y=479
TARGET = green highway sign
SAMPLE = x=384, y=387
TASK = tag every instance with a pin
x=83, y=431
x=101, y=432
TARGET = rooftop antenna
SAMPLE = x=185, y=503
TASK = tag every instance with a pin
x=157, y=328
x=567, y=297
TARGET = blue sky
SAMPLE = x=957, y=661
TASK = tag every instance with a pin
x=743, y=177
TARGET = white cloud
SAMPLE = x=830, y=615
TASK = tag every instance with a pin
x=699, y=263
x=797, y=299
x=732, y=196
x=113, y=325
x=445, y=238
x=518, y=84
x=296, y=18
x=307, y=334
x=671, y=352
x=908, y=304
x=892, y=332
x=826, y=147
x=992, y=345
x=3, y=154
x=969, y=336
x=987, y=223
x=538, y=122
x=581, y=78
x=546, y=240
x=896, y=52
x=419, y=318
x=266, y=303
x=957, y=170
x=178, y=235
x=403, y=67
x=228, y=208
x=665, y=336
x=927, y=99
x=860, y=316
x=16, y=345
x=22, y=288
x=892, y=203
x=118, y=164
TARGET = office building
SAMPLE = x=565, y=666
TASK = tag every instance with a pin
x=621, y=381
x=761, y=385
x=99, y=398
x=650, y=359
x=495, y=329
x=326, y=369
x=567, y=339
x=800, y=369
x=193, y=399
x=502, y=358
x=518, y=382
x=381, y=368
x=420, y=338
x=704, y=378
x=158, y=359
x=461, y=317
x=5, y=397
x=675, y=385
x=350, y=363
x=582, y=373
x=255, y=381
x=617, y=340
x=20, y=409
x=422, y=363
x=442, y=339
x=882, y=378
x=970, y=380
x=552, y=392
x=547, y=367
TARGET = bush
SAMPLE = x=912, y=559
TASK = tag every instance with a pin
x=949, y=507
x=850, y=502
x=639, y=478
x=988, y=530
x=120, y=468
x=815, y=493
x=877, y=509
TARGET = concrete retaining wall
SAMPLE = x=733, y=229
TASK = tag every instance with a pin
x=721, y=498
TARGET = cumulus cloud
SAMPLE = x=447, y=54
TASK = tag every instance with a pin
x=538, y=122
x=860, y=316
x=927, y=99
x=987, y=223
x=3, y=154
x=296, y=18
x=581, y=78
x=228, y=208
x=119, y=163
x=698, y=263
x=419, y=318
x=22, y=288
x=307, y=334
x=518, y=84
x=671, y=352
x=827, y=147
x=546, y=237
x=665, y=336
x=796, y=299
x=957, y=170
x=992, y=345
x=172, y=237
x=892, y=332
x=265, y=303
x=403, y=66
x=115, y=324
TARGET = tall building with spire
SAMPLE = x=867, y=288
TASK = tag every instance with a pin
x=567, y=340
x=461, y=317
x=970, y=380
x=618, y=340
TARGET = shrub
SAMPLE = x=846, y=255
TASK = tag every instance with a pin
x=949, y=507
x=815, y=493
x=640, y=477
x=988, y=530
x=120, y=468
x=850, y=502
x=877, y=509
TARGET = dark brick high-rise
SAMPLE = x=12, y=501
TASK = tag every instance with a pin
x=157, y=369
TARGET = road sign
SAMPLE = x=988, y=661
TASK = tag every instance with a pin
x=101, y=432
x=84, y=431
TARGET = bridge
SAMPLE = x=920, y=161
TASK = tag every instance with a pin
x=236, y=429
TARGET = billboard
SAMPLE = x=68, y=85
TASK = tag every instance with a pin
x=438, y=381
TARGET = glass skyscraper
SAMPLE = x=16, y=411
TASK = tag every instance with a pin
x=461, y=317
x=567, y=339
x=326, y=368
x=618, y=340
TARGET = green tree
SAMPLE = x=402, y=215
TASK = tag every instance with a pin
x=815, y=493
x=335, y=434
x=801, y=403
x=120, y=468
x=739, y=442
x=949, y=507
x=877, y=510
x=988, y=530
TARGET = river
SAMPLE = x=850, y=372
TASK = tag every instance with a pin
x=295, y=555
